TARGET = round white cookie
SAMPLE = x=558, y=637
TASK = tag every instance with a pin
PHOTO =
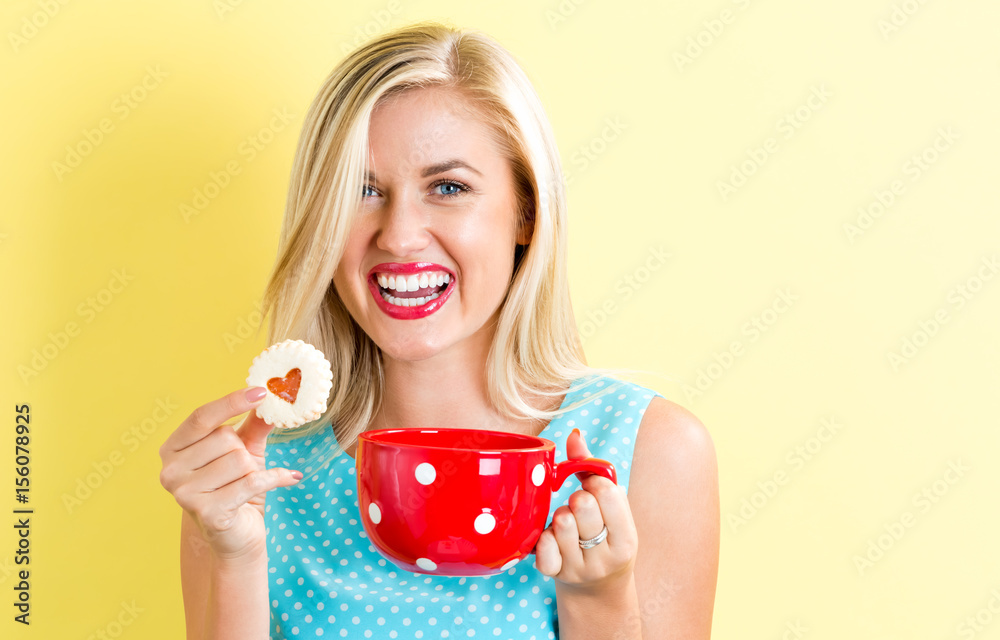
x=298, y=380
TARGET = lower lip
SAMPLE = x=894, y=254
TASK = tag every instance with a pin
x=409, y=313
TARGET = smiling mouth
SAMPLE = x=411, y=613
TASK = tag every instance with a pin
x=413, y=290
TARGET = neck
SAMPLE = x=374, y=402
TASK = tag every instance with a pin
x=446, y=390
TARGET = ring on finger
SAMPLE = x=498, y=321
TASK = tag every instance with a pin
x=596, y=540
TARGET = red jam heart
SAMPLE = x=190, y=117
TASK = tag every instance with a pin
x=286, y=388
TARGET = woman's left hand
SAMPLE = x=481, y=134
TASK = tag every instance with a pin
x=599, y=503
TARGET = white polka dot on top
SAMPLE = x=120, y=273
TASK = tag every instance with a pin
x=326, y=580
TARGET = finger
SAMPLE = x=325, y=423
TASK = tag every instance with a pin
x=240, y=491
x=567, y=536
x=213, y=446
x=586, y=511
x=548, y=560
x=223, y=470
x=208, y=417
x=180, y=466
x=576, y=446
x=253, y=432
x=615, y=509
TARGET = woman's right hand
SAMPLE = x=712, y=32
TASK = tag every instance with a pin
x=217, y=474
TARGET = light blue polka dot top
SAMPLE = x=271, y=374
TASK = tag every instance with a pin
x=326, y=580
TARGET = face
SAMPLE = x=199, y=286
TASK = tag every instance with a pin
x=431, y=251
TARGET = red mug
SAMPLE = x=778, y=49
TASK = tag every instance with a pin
x=459, y=502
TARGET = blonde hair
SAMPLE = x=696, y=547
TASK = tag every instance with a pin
x=536, y=349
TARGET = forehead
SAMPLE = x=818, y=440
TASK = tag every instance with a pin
x=424, y=125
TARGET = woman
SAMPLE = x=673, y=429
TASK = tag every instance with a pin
x=424, y=252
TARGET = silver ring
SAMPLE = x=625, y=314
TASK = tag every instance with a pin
x=596, y=540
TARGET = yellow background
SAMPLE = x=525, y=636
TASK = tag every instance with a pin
x=695, y=92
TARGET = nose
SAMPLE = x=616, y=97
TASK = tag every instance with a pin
x=402, y=229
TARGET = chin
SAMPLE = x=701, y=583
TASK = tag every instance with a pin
x=408, y=350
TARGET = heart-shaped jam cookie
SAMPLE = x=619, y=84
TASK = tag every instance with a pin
x=298, y=379
x=286, y=388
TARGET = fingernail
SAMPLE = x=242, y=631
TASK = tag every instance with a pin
x=576, y=431
x=256, y=394
x=297, y=475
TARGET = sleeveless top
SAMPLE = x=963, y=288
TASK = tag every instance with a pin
x=326, y=580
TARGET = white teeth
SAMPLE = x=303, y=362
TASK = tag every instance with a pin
x=403, y=284
x=409, y=302
x=412, y=282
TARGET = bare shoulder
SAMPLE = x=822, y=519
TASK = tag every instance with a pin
x=672, y=440
x=674, y=497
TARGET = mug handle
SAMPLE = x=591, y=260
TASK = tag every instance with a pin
x=582, y=468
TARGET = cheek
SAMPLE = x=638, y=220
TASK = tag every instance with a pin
x=349, y=270
x=483, y=242
x=339, y=285
x=344, y=293
x=349, y=283
x=492, y=268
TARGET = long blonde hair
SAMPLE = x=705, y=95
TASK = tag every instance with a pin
x=536, y=349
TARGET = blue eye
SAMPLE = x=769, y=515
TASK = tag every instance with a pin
x=451, y=188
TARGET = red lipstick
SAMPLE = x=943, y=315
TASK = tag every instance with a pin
x=408, y=268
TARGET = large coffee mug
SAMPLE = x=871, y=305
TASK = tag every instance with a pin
x=459, y=502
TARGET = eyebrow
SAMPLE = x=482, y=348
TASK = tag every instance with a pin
x=440, y=167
